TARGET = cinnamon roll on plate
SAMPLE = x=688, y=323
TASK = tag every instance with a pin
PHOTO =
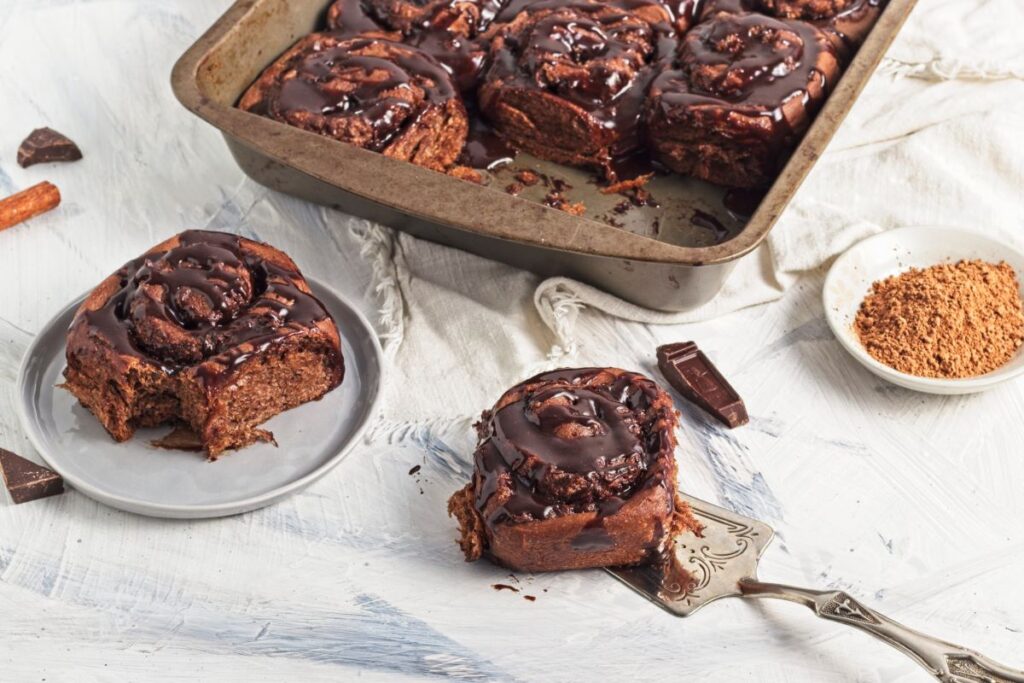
x=208, y=329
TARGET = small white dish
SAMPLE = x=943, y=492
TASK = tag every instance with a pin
x=138, y=477
x=895, y=251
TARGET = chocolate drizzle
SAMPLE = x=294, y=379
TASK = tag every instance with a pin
x=572, y=441
x=361, y=89
x=749, y=59
x=848, y=21
x=447, y=30
x=207, y=302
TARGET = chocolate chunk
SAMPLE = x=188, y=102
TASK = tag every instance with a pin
x=44, y=145
x=690, y=373
x=26, y=480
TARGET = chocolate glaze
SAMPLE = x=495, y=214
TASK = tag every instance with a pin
x=588, y=35
x=850, y=25
x=440, y=34
x=742, y=202
x=207, y=303
x=567, y=444
x=484, y=149
x=748, y=63
x=412, y=80
x=705, y=220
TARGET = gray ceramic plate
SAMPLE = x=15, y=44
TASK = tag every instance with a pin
x=138, y=477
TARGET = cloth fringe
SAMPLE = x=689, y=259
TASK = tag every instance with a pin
x=377, y=244
x=559, y=307
x=941, y=69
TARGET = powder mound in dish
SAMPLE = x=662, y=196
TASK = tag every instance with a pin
x=950, y=320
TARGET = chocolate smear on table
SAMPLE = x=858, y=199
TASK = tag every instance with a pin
x=44, y=145
x=690, y=373
x=27, y=481
x=504, y=587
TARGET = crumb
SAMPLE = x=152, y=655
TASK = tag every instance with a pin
x=631, y=184
x=527, y=177
x=468, y=174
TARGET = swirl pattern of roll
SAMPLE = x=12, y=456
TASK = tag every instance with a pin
x=450, y=32
x=742, y=92
x=372, y=93
x=846, y=22
x=209, y=329
x=567, y=81
x=573, y=468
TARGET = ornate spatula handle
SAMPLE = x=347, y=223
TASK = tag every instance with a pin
x=947, y=662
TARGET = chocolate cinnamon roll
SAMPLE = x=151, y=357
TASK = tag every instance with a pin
x=567, y=81
x=574, y=469
x=375, y=94
x=208, y=329
x=846, y=22
x=742, y=92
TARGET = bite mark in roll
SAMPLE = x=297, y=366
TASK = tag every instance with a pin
x=742, y=92
x=567, y=82
x=382, y=96
x=573, y=469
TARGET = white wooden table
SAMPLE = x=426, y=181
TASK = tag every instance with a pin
x=908, y=501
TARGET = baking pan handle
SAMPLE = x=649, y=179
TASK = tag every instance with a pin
x=945, y=661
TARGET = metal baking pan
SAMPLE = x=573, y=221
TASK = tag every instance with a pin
x=674, y=256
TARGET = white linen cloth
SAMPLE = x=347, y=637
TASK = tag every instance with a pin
x=937, y=138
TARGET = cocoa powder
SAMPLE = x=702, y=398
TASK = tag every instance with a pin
x=950, y=320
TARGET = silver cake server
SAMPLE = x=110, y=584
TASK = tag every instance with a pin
x=724, y=562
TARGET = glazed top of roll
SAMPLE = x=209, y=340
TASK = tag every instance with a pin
x=363, y=91
x=768, y=68
x=448, y=31
x=464, y=17
x=573, y=441
x=201, y=296
x=807, y=10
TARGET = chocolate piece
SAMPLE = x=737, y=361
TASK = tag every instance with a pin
x=27, y=481
x=44, y=145
x=690, y=373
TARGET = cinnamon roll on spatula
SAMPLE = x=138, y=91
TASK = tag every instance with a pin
x=574, y=468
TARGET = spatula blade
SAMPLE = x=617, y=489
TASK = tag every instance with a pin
x=703, y=569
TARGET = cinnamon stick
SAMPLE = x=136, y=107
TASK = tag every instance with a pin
x=28, y=203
